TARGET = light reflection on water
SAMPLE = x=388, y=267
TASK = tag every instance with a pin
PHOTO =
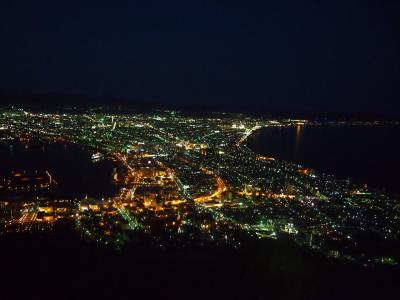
x=368, y=154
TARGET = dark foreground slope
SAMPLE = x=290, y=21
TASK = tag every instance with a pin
x=63, y=266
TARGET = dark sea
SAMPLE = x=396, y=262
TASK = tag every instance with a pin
x=368, y=154
x=70, y=165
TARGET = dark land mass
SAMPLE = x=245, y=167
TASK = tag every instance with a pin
x=61, y=265
x=80, y=102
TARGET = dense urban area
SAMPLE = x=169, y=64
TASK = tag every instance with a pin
x=185, y=180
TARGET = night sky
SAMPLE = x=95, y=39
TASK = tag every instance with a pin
x=305, y=55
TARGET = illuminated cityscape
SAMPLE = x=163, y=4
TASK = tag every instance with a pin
x=185, y=180
x=199, y=150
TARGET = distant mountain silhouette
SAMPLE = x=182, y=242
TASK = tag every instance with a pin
x=52, y=100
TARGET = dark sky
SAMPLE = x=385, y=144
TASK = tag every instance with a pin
x=322, y=55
